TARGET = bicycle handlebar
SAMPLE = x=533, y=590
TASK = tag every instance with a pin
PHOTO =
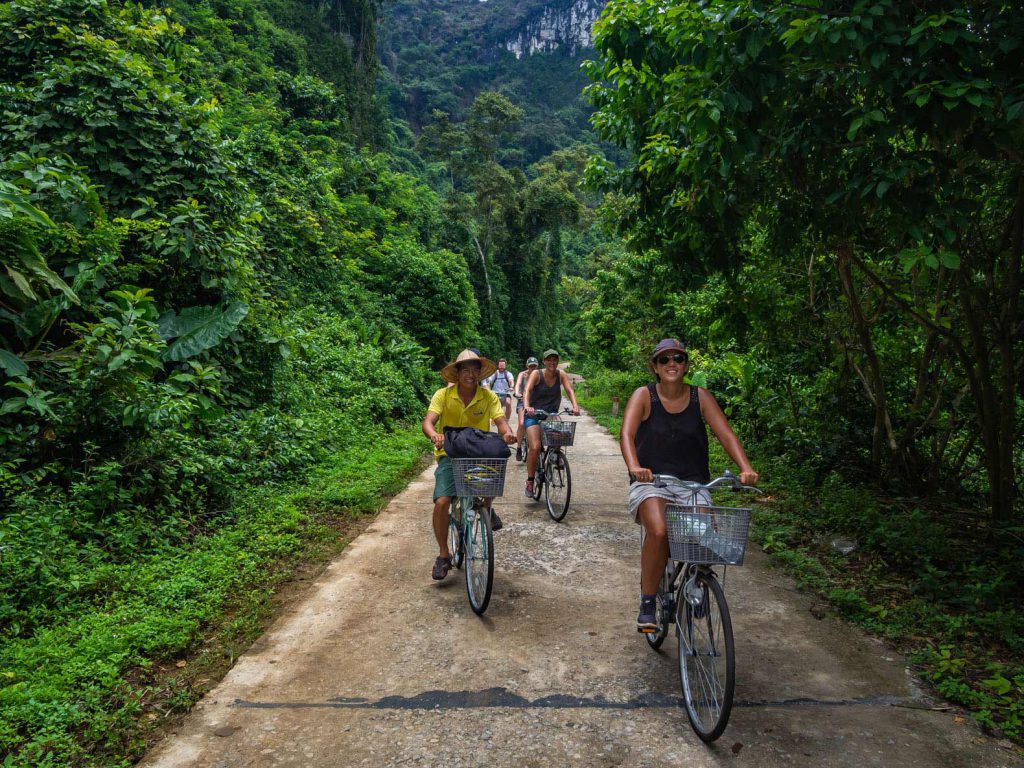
x=727, y=478
x=541, y=415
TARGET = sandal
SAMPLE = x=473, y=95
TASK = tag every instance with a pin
x=441, y=567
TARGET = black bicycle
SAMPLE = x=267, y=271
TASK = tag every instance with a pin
x=554, y=478
x=691, y=596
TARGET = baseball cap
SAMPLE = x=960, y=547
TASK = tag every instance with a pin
x=531, y=361
x=549, y=353
x=668, y=345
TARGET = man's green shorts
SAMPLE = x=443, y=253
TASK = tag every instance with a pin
x=444, y=478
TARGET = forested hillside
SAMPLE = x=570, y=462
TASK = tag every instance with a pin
x=442, y=55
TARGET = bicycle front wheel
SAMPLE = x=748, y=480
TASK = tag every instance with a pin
x=479, y=561
x=456, y=544
x=707, y=659
x=557, y=485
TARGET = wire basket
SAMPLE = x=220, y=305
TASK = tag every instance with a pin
x=558, y=433
x=707, y=535
x=479, y=477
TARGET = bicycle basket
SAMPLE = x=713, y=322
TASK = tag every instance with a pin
x=479, y=477
x=560, y=433
x=706, y=534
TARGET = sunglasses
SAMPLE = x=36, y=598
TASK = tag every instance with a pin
x=677, y=358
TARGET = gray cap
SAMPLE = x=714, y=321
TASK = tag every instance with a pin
x=531, y=361
x=549, y=352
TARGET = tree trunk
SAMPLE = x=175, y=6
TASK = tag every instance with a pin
x=872, y=376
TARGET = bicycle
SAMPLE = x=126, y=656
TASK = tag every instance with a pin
x=470, y=538
x=691, y=596
x=520, y=454
x=553, y=474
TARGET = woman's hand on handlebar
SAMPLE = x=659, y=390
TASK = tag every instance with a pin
x=531, y=411
x=641, y=474
x=438, y=440
x=576, y=411
x=749, y=478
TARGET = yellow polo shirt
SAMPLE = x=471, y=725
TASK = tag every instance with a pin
x=482, y=409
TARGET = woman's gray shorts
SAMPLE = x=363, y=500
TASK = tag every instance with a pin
x=675, y=491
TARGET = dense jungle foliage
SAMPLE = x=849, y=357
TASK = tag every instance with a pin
x=827, y=201
x=206, y=288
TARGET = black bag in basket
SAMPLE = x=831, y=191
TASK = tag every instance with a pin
x=473, y=443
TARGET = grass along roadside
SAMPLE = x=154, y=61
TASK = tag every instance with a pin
x=914, y=578
x=85, y=692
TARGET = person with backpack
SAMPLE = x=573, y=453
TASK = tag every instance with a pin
x=463, y=404
x=501, y=383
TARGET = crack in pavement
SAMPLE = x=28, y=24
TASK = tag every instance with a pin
x=503, y=698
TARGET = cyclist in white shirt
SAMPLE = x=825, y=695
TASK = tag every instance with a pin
x=501, y=383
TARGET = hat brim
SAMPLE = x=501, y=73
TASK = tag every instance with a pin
x=450, y=372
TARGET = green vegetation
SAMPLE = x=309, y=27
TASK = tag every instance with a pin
x=215, y=330
x=67, y=698
x=522, y=228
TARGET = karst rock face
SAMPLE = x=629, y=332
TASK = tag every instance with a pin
x=555, y=26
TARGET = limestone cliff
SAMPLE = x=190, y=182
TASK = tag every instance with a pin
x=556, y=26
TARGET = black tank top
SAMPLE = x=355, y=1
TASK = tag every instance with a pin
x=544, y=397
x=674, y=443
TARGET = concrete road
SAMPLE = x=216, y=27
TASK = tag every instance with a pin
x=381, y=666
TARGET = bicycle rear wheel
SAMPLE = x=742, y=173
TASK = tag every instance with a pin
x=480, y=561
x=707, y=659
x=557, y=485
x=456, y=543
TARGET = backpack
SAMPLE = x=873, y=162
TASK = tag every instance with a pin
x=473, y=443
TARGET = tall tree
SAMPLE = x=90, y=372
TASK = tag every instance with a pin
x=886, y=137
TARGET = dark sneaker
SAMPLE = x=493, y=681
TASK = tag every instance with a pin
x=529, y=489
x=647, y=621
x=519, y=453
x=496, y=524
x=441, y=567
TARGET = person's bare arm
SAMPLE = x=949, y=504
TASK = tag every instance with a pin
x=719, y=424
x=637, y=409
x=429, y=421
x=526, y=395
x=517, y=390
x=567, y=383
x=504, y=430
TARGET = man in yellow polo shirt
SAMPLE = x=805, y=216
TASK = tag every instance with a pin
x=466, y=404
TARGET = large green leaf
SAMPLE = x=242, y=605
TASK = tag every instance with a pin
x=12, y=364
x=197, y=329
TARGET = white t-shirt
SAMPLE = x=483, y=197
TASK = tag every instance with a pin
x=500, y=383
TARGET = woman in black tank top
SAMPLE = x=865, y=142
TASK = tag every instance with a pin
x=664, y=433
x=543, y=391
